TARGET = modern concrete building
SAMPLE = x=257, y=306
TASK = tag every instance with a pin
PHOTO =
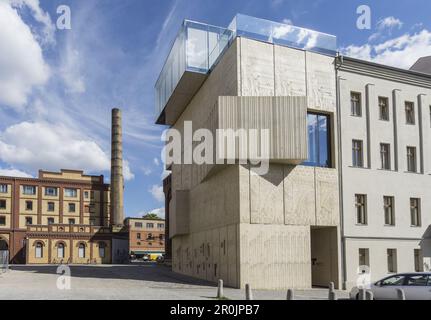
x=281, y=229
x=297, y=225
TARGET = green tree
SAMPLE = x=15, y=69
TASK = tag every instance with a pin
x=152, y=216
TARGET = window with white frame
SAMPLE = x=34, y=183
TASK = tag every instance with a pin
x=410, y=112
x=415, y=212
x=60, y=251
x=384, y=108
x=51, y=191
x=364, y=257
x=385, y=156
x=3, y=188
x=38, y=250
x=411, y=159
x=29, y=190
x=389, y=210
x=81, y=250
x=70, y=193
x=392, y=260
x=361, y=209
x=355, y=103
x=419, y=260
x=357, y=153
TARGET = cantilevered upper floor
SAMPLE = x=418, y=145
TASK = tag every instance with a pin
x=198, y=47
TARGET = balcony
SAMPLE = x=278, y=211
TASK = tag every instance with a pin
x=195, y=51
x=198, y=47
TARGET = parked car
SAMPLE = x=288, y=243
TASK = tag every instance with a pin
x=416, y=286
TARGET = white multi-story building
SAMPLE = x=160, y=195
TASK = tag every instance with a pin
x=385, y=133
x=321, y=209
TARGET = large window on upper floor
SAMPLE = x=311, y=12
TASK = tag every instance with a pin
x=410, y=112
x=355, y=104
x=319, y=140
x=384, y=108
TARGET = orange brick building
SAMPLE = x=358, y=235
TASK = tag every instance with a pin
x=146, y=236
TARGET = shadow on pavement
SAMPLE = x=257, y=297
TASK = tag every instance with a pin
x=136, y=271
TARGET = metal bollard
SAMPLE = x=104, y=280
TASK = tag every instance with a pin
x=400, y=294
x=220, y=293
x=362, y=294
x=331, y=293
x=369, y=295
x=290, y=294
x=248, y=293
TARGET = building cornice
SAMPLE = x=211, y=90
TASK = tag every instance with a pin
x=375, y=70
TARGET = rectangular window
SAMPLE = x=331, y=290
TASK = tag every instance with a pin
x=419, y=264
x=3, y=188
x=357, y=153
x=86, y=194
x=51, y=206
x=355, y=102
x=361, y=209
x=384, y=108
x=364, y=257
x=2, y=221
x=29, y=205
x=389, y=211
x=150, y=225
x=50, y=191
x=71, y=221
x=411, y=159
x=415, y=212
x=29, y=190
x=160, y=225
x=2, y=204
x=385, y=156
x=319, y=140
x=410, y=112
x=50, y=220
x=70, y=193
x=28, y=221
x=392, y=260
x=138, y=224
x=138, y=236
x=72, y=207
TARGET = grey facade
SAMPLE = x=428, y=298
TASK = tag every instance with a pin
x=295, y=226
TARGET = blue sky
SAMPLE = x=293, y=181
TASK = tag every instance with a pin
x=57, y=86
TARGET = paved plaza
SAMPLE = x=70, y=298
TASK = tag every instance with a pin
x=146, y=281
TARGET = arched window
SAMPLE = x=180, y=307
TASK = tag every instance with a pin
x=60, y=251
x=102, y=248
x=39, y=250
x=81, y=250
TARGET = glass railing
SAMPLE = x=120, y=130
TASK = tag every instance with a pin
x=283, y=34
x=198, y=47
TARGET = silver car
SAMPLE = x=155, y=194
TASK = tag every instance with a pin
x=416, y=286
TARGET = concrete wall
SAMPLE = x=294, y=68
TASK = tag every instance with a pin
x=245, y=228
x=375, y=182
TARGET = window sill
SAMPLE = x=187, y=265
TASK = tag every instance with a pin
x=361, y=225
x=355, y=167
x=412, y=172
x=390, y=225
x=411, y=226
x=387, y=170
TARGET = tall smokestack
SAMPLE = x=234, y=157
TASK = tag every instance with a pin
x=117, y=180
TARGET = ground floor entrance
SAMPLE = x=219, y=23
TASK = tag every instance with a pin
x=324, y=256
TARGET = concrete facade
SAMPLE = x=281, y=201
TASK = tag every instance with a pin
x=397, y=87
x=232, y=224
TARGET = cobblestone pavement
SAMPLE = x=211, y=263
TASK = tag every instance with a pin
x=146, y=281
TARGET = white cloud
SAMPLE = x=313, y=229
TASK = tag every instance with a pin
x=14, y=173
x=48, y=28
x=389, y=23
x=385, y=26
x=127, y=172
x=160, y=212
x=156, y=161
x=157, y=193
x=402, y=51
x=287, y=21
x=39, y=145
x=70, y=71
x=22, y=66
